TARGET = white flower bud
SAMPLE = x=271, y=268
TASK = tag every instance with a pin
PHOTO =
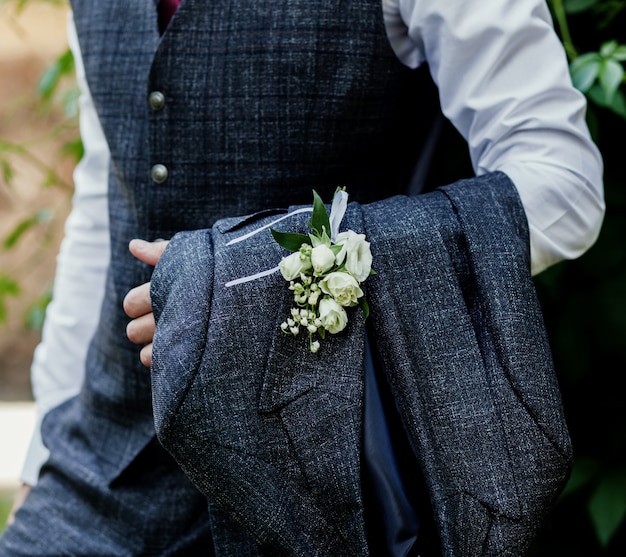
x=294, y=265
x=284, y=326
x=322, y=259
x=294, y=330
x=315, y=346
x=313, y=298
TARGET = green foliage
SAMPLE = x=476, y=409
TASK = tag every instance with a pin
x=44, y=215
x=56, y=93
x=8, y=287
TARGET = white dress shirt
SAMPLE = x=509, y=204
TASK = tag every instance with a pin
x=504, y=84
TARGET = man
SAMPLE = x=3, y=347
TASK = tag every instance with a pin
x=236, y=108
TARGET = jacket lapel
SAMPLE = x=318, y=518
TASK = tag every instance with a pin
x=318, y=397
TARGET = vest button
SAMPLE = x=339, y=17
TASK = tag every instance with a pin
x=158, y=173
x=156, y=100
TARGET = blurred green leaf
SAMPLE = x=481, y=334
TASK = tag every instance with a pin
x=576, y=6
x=620, y=53
x=610, y=77
x=74, y=149
x=61, y=67
x=7, y=171
x=44, y=215
x=607, y=507
x=8, y=287
x=617, y=104
x=36, y=312
x=585, y=69
x=583, y=472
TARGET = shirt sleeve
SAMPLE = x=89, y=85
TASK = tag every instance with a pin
x=504, y=83
x=59, y=360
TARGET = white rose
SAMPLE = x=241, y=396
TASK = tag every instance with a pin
x=342, y=287
x=355, y=250
x=294, y=264
x=333, y=317
x=322, y=258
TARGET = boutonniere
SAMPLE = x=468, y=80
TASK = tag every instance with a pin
x=325, y=272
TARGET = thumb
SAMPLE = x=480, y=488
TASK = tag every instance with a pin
x=148, y=252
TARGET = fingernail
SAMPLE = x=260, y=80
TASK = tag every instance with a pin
x=138, y=243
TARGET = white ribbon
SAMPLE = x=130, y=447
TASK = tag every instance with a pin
x=337, y=211
x=251, y=277
x=249, y=234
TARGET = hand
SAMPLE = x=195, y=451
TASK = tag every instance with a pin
x=19, y=498
x=137, y=303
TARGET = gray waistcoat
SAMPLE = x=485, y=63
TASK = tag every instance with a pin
x=263, y=101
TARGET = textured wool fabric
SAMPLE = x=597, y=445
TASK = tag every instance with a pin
x=292, y=104
x=271, y=433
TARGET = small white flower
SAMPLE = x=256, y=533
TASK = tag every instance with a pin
x=315, y=346
x=312, y=328
x=313, y=298
x=322, y=259
x=294, y=330
x=284, y=326
x=333, y=317
x=356, y=253
x=342, y=287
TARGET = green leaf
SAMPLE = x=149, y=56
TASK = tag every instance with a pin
x=618, y=104
x=364, y=306
x=607, y=507
x=36, y=312
x=7, y=171
x=584, y=70
x=610, y=77
x=62, y=66
x=576, y=6
x=290, y=240
x=8, y=287
x=583, y=472
x=608, y=48
x=40, y=216
x=320, y=220
x=620, y=53
x=74, y=149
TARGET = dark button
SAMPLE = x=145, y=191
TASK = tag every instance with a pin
x=156, y=100
x=158, y=173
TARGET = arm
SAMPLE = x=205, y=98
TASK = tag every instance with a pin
x=504, y=84
x=58, y=365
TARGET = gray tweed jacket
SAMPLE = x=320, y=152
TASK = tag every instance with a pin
x=272, y=433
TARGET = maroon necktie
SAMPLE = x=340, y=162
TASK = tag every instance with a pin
x=167, y=8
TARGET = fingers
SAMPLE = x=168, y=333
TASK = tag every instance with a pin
x=141, y=330
x=137, y=301
x=146, y=355
x=148, y=252
x=19, y=499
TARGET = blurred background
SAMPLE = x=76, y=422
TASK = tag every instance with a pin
x=584, y=301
